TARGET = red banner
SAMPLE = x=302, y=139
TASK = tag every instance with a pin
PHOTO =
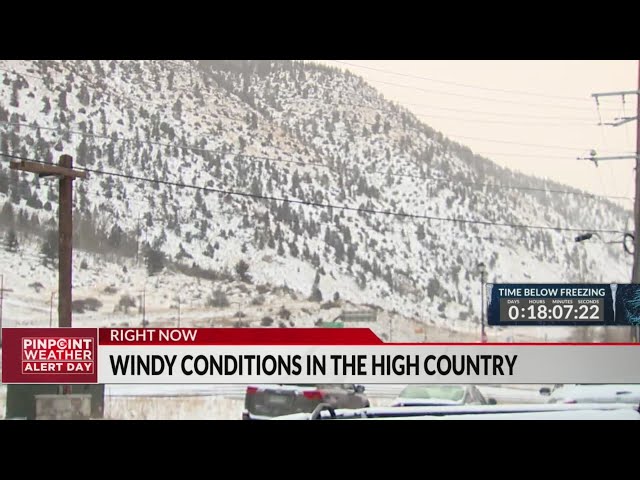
x=237, y=336
x=49, y=355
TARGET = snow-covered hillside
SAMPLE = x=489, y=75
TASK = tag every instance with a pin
x=277, y=130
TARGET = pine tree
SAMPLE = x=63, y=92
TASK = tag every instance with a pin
x=11, y=241
x=155, y=261
x=49, y=248
x=82, y=152
x=242, y=269
x=14, y=96
x=4, y=182
x=62, y=101
x=7, y=214
x=83, y=96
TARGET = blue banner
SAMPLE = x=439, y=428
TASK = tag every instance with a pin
x=563, y=304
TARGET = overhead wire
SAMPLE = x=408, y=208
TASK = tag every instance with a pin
x=319, y=204
x=260, y=158
x=466, y=85
x=461, y=95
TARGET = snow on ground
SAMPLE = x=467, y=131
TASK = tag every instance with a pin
x=171, y=297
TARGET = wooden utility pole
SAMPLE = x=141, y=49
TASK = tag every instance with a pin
x=66, y=174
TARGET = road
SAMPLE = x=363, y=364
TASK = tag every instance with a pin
x=502, y=393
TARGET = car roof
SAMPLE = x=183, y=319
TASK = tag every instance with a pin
x=622, y=414
x=597, y=388
x=457, y=410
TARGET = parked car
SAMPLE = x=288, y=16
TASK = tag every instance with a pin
x=593, y=393
x=418, y=395
x=266, y=401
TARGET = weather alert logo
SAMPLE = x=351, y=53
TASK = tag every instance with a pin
x=55, y=355
x=50, y=355
x=58, y=355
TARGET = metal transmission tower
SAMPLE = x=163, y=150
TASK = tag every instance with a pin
x=635, y=276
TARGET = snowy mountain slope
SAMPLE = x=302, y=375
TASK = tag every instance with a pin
x=296, y=131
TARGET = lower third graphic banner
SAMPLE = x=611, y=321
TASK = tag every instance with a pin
x=240, y=356
x=563, y=304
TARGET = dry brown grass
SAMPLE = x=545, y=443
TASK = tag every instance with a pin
x=173, y=408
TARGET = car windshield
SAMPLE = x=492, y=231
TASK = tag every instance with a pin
x=441, y=392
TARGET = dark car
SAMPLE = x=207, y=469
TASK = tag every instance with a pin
x=262, y=402
x=441, y=395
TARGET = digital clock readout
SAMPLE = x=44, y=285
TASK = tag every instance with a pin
x=552, y=310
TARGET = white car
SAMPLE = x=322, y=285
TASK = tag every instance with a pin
x=591, y=393
x=434, y=395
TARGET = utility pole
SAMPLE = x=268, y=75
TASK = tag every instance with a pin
x=636, y=216
x=635, y=275
x=51, y=310
x=636, y=205
x=482, y=270
x=66, y=174
x=143, y=304
x=138, y=232
x=2, y=290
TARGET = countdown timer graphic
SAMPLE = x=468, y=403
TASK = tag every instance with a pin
x=563, y=304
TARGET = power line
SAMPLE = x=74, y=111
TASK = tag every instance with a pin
x=506, y=187
x=585, y=122
x=127, y=99
x=544, y=117
x=483, y=112
x=106, y=88
x=466, y=85
x=504, y=122
x=379, y=109
x=320, y=165
x=162, y=144
x=539, y=156
x=486, y=99
x=321, y=205
x=259, y=158
x=559, y=147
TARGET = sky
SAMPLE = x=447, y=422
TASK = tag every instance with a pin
x=534, y=116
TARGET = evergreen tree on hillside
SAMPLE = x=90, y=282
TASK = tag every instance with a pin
x=14, y=96
x=242, y=270
x=155, y=261
x=11, y=241
x=4, y=182
x=7, y=214
x=83, y=96
x=49, y=248
x=62, y=101
x=316, y=294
